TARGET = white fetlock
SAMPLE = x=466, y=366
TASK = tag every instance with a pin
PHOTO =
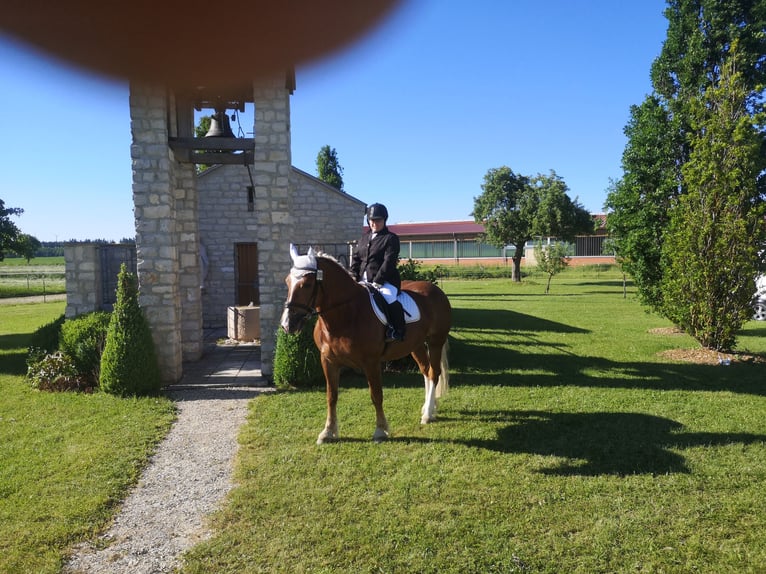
x=327, y=435
x=428, y=412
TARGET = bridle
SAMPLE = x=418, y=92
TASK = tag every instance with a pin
x=310, y=309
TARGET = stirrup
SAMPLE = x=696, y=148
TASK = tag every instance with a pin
x=393, y=335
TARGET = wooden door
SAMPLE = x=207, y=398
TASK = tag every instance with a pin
x=247, y=274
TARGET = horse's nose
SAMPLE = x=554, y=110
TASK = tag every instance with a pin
x=292, y=322
x=284, y=322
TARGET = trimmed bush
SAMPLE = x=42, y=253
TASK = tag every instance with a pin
x=83, y=338
x=129, y=364
x=296, y=359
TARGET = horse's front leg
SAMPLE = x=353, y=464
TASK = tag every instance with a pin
x=375, y=382
x=332, y=378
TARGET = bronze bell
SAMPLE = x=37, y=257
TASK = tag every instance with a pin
x=219, y=126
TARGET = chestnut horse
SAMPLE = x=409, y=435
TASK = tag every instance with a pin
x=348, y=333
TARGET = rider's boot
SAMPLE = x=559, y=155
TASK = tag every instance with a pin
x=395, y=330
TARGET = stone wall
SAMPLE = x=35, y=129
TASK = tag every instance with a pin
x=164, y=202
x=322, y=214
x=91, y=275
x=83, y=279
x=224, y=221
x=319, y=215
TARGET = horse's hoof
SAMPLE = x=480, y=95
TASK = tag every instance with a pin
x=380, y=435
x=425, y=419
x=326, y=436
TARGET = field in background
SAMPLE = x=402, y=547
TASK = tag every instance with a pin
x=41, y=276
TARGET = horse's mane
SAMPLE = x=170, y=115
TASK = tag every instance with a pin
x=328, y=257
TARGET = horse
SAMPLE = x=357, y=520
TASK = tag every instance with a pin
x=348, y=333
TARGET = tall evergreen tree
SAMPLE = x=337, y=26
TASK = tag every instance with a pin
x=129, y=364
x=328, y=167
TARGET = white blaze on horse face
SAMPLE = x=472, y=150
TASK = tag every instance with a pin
x=285, y=320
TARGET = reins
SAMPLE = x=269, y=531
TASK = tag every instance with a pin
x=310, y=309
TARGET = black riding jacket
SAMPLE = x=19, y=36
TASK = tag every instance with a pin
x=377, y=256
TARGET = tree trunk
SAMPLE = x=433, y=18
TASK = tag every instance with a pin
x=516, y=273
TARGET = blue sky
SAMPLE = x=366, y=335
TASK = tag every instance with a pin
x=418, y=112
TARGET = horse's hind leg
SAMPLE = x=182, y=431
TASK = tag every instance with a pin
x=332, y=378
x=431, y=378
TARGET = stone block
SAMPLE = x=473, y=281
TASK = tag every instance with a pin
x=244, y=323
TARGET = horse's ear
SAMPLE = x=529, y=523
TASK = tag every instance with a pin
x=293, y=252
x=311, y=252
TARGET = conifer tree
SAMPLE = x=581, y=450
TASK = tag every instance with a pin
x=129, y=364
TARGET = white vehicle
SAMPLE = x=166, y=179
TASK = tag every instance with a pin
x=759, y=299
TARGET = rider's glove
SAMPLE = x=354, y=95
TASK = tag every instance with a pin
x=377, y=285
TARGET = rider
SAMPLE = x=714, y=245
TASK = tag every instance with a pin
x=374, y=261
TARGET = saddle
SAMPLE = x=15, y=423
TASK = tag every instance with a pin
x=379, y=305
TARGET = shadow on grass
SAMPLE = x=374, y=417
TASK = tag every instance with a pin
x=551, y=370
x=507, y=321
x=757, y=332
x=14, y=361
x=538, y=366
x=600, y=443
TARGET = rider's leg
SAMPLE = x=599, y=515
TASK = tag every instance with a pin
x=395, y=332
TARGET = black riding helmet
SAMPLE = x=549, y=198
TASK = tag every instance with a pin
x=377, y=211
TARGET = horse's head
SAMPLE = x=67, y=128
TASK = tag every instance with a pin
x=302, y=289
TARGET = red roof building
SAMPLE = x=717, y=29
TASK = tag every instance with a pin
x=457, y=242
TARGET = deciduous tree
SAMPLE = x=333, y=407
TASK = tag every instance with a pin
x=9, y=233
x=709, y=255
x=515, y=208
x=27, y=246
x=668, y=133
x=551, y=260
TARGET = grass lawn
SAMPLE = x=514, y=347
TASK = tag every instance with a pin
x=567, y=443
x=66, y=459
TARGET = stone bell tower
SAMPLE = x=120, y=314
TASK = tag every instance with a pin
x=164, y=154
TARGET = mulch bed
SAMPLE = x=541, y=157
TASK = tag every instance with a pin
x=702, y=356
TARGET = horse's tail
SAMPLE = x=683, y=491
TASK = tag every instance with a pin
x=443, y=385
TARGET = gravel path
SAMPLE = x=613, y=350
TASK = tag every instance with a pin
x=185, y=480
x=33, y=299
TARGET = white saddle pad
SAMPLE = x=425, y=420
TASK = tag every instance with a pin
x=411, y=310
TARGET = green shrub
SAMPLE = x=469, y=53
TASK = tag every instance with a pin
x=46, y=338
x=56, y=372
x=474, y=271
x=296, y=359
x=412, y=270
x=83, y=339
x=129, y=363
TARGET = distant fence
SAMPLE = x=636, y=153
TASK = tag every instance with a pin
x=29, y=281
